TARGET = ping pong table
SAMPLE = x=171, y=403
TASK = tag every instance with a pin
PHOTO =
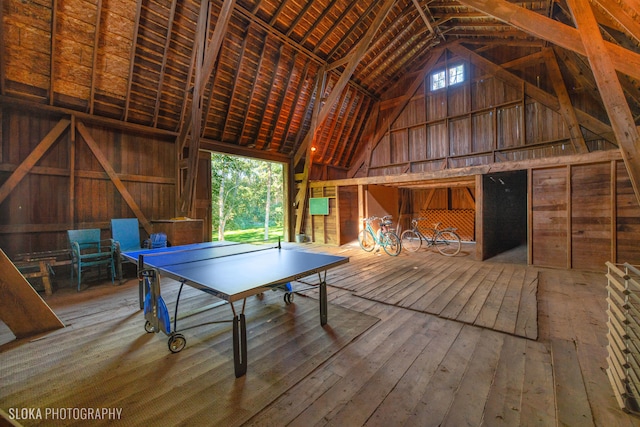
x=230, y=271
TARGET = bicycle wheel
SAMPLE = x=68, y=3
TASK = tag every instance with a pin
x=391, y=243
x=366, y=240
x=447, y=242
x=411, y=240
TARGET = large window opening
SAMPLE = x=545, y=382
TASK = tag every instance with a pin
x=247, y=198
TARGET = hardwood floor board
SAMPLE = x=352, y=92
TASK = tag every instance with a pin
x=399, y=404
x=366, y=365
x=467, y=407
x=503, y=401
x=571, y=396
x=427, y=284
x=450, y=292
x=527, y=322
x=472, y=308
x=452, y=275
x=413, y=277
x=369, y=397
x=538, y=397
x=491, y=308
x=433, y=405
x=508, y=313
x=394, y=284
x=461, y=299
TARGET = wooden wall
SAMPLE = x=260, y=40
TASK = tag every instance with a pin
x=481, y=121
x=69, y=188
x=324, y=228
x=583, y=216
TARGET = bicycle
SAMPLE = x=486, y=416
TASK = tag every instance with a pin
x=385, y=237
x=446, y=240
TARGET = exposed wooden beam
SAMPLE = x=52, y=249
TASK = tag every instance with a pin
x=358, y=53
x=27, y=164
x=624, y=60
x=465, y=173
x=104, y=162
x=610, y=90
x=203, y=74
x=566, y=109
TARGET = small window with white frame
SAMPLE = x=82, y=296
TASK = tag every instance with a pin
x=438, y=80
x=456, y=74
x=451, y=76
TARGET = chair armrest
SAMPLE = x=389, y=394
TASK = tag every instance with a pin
x=75, y=250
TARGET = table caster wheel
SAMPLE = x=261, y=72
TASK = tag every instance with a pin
x=176, y=343
x=148, y=327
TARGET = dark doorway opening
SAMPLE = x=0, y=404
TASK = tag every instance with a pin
x=504, y=215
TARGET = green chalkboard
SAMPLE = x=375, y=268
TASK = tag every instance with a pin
x=319, y=206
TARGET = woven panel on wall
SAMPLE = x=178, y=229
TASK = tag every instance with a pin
x=462, y=219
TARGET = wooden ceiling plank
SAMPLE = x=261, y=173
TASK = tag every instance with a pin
x=253, y=89
x=360, y=128
x=349, y=138
x=53, y=47
x=424, y=17
x=30, y=161
x=566, y=109
x=318, y=21
x=269, y=100
x=234, y=90
x=163, y=67
x=340, y=139
x=335, y=25
x=132, y=60
x=614, y=100
x=348, y=34
x=104, y=162
x=363, y=45
x=280, y=103
x=625, y=61
x=296, y=101
x=631, y=25
x=336, y=115
x=94, y=59
x=296, y=21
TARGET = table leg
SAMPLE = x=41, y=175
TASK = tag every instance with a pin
x=240, y=345
x=323, y=302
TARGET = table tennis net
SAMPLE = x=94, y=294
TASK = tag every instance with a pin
x=196, y=253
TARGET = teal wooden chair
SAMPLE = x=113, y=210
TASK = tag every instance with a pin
x=88, y=251
x=126, y=235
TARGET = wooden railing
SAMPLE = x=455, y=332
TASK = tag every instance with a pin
x=623, y=299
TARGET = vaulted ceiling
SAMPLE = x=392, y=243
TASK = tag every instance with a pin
x=136, y=61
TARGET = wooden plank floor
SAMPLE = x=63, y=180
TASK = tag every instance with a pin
x=497, y=296
x=409, y=368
